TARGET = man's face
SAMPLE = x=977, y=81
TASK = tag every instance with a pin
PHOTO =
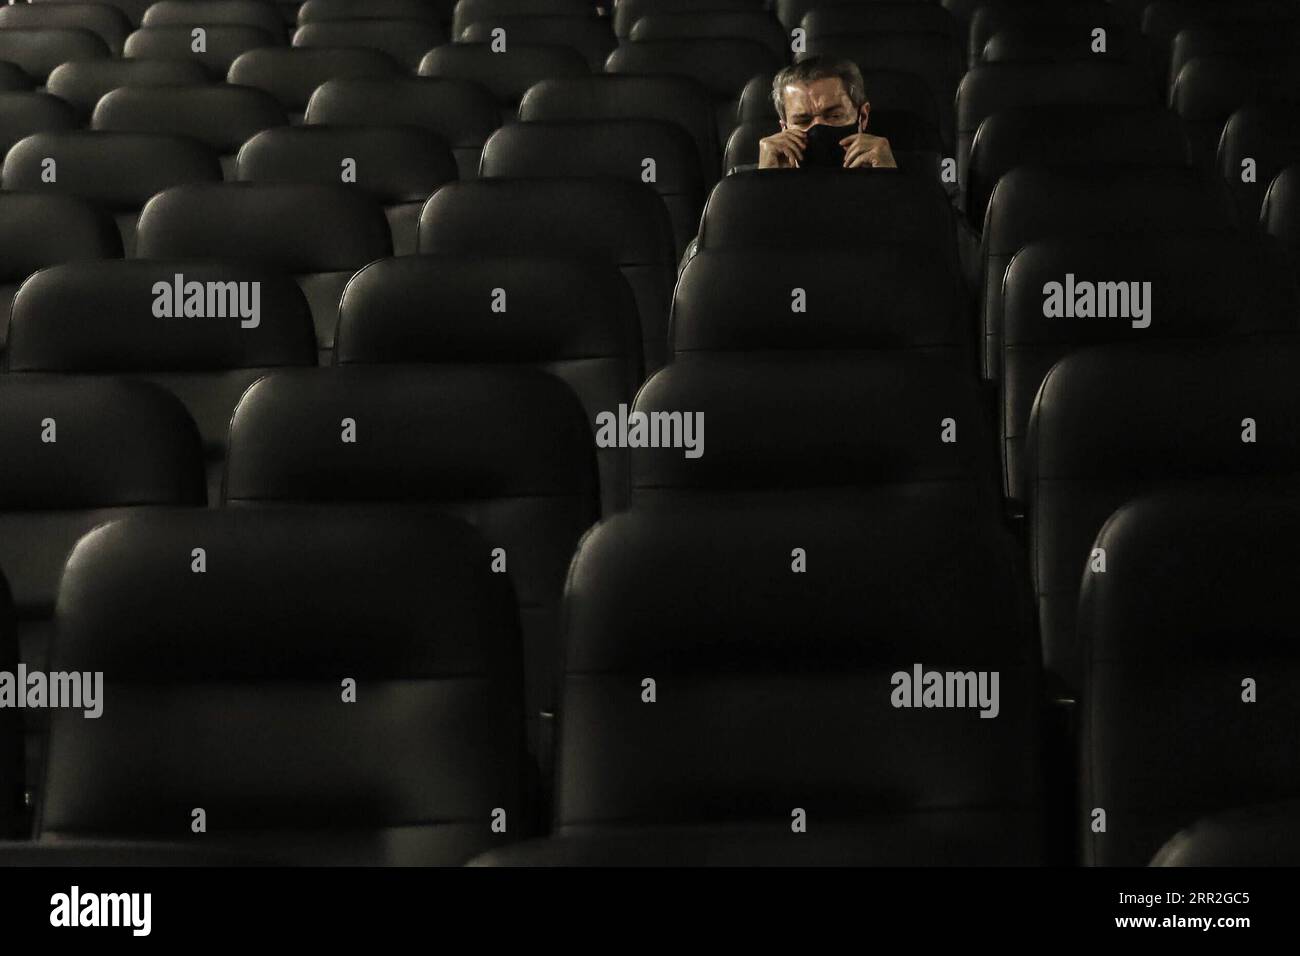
x=821, y=101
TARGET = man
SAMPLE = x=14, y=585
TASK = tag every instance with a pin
x=826, y=93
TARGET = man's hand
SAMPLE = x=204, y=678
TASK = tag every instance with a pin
x=863, y=149
x=784, y=150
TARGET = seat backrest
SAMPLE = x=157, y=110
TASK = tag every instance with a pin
x=23, y=113
x=291, y=74
x=1209, y=89
x=1066, y=293
x=1280, y=216
x=191, y=13
x=462, y=113
x=1031, y=203
x=623, y=224
x=83, y=82
x=106, y=22
x=403, y=614
x=37, y=51
x=117, y=171
x=885, y=297
x=1268, y=134
x=203, y=330
x=840, y=18
x=576, y=319
x=752, y=24
x=318, y=234
x=588, y=35
x=789, y=654
x=417, y=445
x=406, y=40
x=1119, y=421
x=750, y=429
x=507, y=76
x=473, y=11
x=215, y=47
x=628, y=12
x=647, y=152
x=398, y=166
x=1187, y=643
x=315, y=11
x=1162, y=20
x=134, y=9
x=989, y=19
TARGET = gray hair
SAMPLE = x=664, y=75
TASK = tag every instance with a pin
x=819, y=68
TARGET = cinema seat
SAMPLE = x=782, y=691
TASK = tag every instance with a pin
x=607, y=149
x=291, y=74
x=576, y=319
x=990, y=19
x=461, y=113
x=472, y=11
x=1188, y=664
x=507, y=76
x=420, y=448
x=192, y=13
x=1203, y=285
x=1164, y=19
x=134, y=9
x=628, y=12
x=1281, y=213
x=117, y=171
x=836, y=19
x=375, y=660
x=220, y=116
x=1267, y=134
x=106, y=22
x=1116, y=422
x=693, y=722
x=1209, y=89
x=82, y=83
x=223, y=44
x=12, y=813
x=622, y=224
x=13, y=79
x=38, y=51
x=115, y=446
x=1240, y=41
x=753, y=24
x=94, y=319
x=906, y=426
x=22, y=114
x=41, y=229
x=884, y=297
x=318, y=234
x=1250, y=836
x=397, y=166
x=406, y=41
x=1032, y=203
x=587, y=35
x=318, y=11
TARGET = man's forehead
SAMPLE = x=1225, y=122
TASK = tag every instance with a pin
x=815, y=96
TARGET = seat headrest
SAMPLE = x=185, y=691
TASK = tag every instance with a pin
x=461, y=112
x=290, y=74
x=37, y=51
x=990, y=87
x=83, y=83
x=507, y=75
x=219, y=115
x=723, y=66
x=37, y=229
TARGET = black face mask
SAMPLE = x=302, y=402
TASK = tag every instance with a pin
x=824, y=150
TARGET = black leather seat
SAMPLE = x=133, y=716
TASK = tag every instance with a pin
x=375, y=661
x=106, y=22
x=628, y=12
x=119, y=172
x=92, y=319
x=291, y=74
x=508, y=75
x=317, y=11
x=1188, y=660
x=1209, y=89
x=83, y=82
x=397, y=166
x=1119, y=421
x=752, y=24
x=1249, y=836
x=320, y=235
x=222, y=44
x=508, y=449
x=472, y=11
x=586, y=34
x=576, y=319
x=622, y=224
x=405, y=40
x=1267, y=134
x=1280, y=216
x=37, y=51
x=191, y=13
x=988, y=20
x=23, y=113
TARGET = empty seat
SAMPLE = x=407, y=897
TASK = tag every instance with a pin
x=1079, y=16
x=776, y=208
x=462, y=114
x=117, y=171
x=1280, y=216
x=856, y=18
x=673, y=99
x=203, y=330
x=575, y=319
x=1115, y=422
x=1034, y=203
x=1130, y=289
x=215, y=47
x=22, y=114
x=1162, y=20
x=204, y=13
x=722, y=66
x=751, y=24
x=1209, y=89
x=79, y=452
x=472, y=11
x=134, y=9
x=11, y=735
x=317, y=11
x=318, y=234
x=883, y=297
x=588, y=35
x=13, y=79
x=220, y=116
x=1081, y=136
x=406, y=41
x=623, y=224
x=651, y=152
x=628, y=12
x=41, y=229
x=1240, y=41
x=82, y=83
x=398, y=166
x=1258, y=142
x=1267, y=835
x=992, y=87
x=291, y=74
x=506, y=75
x=106, y=22
x=1186, y=639
x=38, y=51
x=712, y=725
x=419, y=447
x=409, y=763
